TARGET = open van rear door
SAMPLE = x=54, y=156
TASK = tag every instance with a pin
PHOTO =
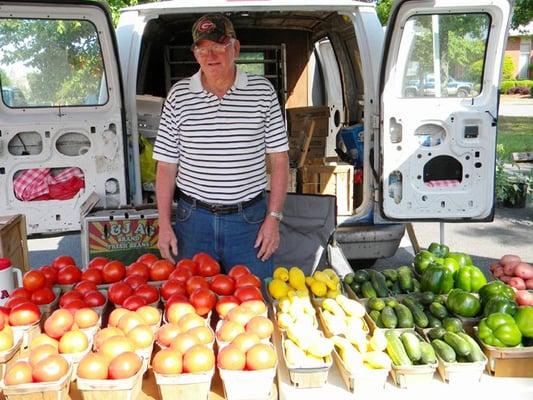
x=61, y=115
x=439, y=107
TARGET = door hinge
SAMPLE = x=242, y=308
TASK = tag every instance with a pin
x=375, y=121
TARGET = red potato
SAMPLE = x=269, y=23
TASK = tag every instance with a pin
x=529, y=284
x=517, y=283
x=498, y=271
x=509, y=258
x=505, y=278
x=492, y=267
x=508, y=269
x=524, y=270
x=524, y=298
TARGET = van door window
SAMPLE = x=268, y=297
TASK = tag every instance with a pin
x=446, y=55
x=51, y=62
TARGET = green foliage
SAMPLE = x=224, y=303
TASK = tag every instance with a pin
x=506, y=85
x=522, y=13
x=116, y=5
x=4, y=79
x=508, y=68
x=383, y=9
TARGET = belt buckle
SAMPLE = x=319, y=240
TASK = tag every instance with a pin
x=216, y=208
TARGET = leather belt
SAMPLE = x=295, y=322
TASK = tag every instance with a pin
x=221, y=208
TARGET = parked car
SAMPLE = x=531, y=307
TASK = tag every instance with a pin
x=454, y=87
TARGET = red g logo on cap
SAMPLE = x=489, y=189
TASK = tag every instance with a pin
x=206, y=26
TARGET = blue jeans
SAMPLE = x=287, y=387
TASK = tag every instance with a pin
x=229, y=238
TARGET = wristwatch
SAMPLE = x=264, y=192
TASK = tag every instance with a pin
x=276, y=214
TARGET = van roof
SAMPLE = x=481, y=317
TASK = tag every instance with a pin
x=195, y=6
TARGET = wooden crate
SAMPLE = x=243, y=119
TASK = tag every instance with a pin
x=335, y=180
x=13, y=244
x=509, y=362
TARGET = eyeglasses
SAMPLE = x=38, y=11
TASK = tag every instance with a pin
x=215, y=49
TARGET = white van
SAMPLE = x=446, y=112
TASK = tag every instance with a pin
x=91, y=94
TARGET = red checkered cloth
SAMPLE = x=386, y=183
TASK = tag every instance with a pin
x=444, y=183
x=34, y=184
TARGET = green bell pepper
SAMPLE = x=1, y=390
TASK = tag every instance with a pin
x=437, y=279
x=495, y=288
x=470, y=279
x=499, y=330
x=524, y=321
x=461, y=258
x=500, y=304
x=439, y=250
x=451, y=264
x=422, y=261
x=463, y=303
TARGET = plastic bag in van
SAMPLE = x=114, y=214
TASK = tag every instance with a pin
x=148, y=164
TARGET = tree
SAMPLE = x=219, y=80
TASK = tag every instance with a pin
x=383, y=8
x=522, y=13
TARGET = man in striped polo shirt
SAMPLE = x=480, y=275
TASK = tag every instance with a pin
x=218, y=129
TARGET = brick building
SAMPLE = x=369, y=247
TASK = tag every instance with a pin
x=520, y=48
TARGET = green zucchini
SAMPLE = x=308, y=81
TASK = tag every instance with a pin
x=405, y=317
x=459, y=345
x=374, y=314
x=388, y=317
x=427, y=353
x=443, y=350
x=438, y=310
x=396, y=350
x=436, y=333
x=453, y=324
x=367, y=290
x=420, y=319
x=375, y=304
x=411, y=344
x=361, y=276
x=405, y=277
x=475, y=352
x=379, y=284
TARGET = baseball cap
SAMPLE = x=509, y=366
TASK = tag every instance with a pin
x=214, y=27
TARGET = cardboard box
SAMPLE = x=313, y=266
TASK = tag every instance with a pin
x=335, y=180
x=122, y=234
x=13, y=244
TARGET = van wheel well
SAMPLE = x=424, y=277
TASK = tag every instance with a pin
x=360, y=263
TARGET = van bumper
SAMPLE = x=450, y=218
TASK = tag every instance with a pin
x=369, y=241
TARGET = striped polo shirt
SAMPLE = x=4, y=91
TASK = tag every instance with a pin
x=220, y=144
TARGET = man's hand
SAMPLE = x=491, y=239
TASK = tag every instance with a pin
x=167, y=243
x=268, y=238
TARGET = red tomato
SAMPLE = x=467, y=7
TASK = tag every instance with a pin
x=138, y=268
x=69, y=274
x=50, y=274
x=62, y=261
x=18, y=373
x=44, y=295
x=148, y=259
x=69, y=296
x=181, y=275
x=4, y=311
x=248, y=280
x=196, y=282
x=93, y=275
x=148, y=292
x=24, y=314
x=189, y=264
x=113, y=271
x=74, y=305
x=171, y=287
x=135, y=281
x=118, y=292
x=124, y=365
x=225, y=304
x=98, y=263
x=94, y=298
x=222, y=284
x=14, y=301
x=203, y=300
x=21, y=292
x=33, y=280
x=85, y=286
x=207, y=265
x=176, y=298
x=245, y=293
x=238, y=270
x=133, y=302
x=160, y=270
